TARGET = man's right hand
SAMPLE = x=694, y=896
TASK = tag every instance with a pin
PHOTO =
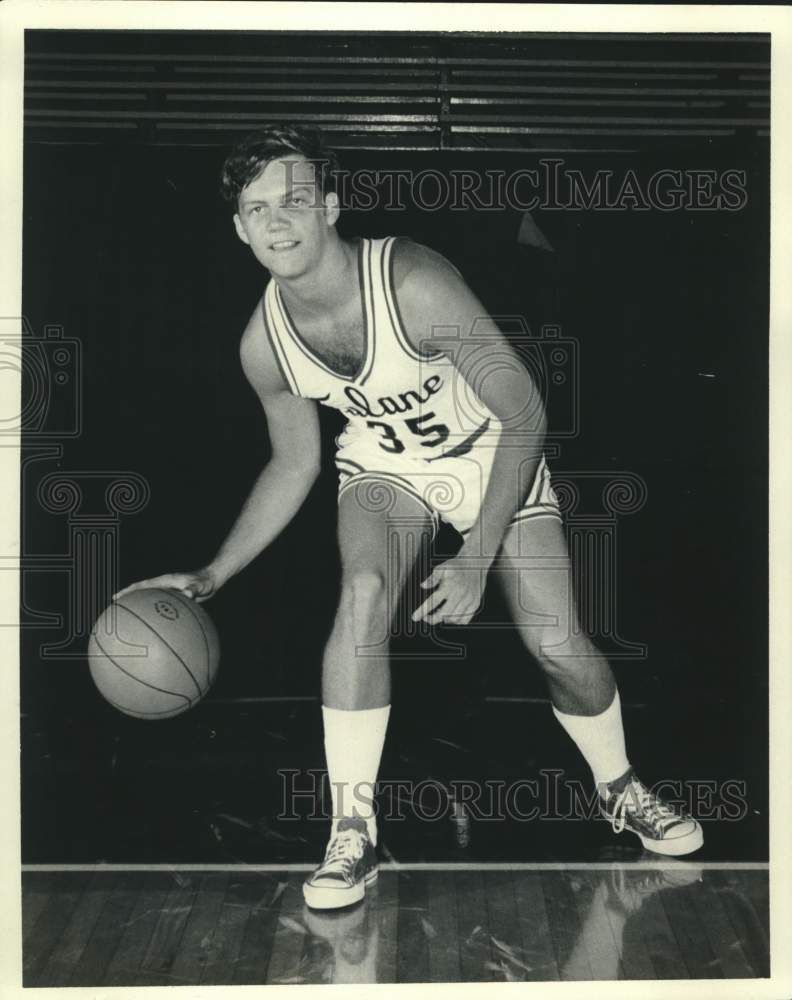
x=200, y=585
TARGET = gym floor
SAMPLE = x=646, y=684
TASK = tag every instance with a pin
x=564, y=899
x=433, y=923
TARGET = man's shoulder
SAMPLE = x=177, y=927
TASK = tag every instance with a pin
x=419, y=269
x=256, y=353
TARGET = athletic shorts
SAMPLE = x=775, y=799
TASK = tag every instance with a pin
x=449, y=489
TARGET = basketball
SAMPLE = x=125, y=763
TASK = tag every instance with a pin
x=153, y=653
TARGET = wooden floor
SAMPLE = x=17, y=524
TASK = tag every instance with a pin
x=138, y=928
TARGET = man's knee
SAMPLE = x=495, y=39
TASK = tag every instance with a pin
x=365, y=602
x=548, y=631
x=565, y=654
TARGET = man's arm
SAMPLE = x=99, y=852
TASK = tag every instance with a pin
x=281, y=487
x=285, y=481
x=433, y=295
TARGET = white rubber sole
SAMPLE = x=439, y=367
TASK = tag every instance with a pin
x=320, y=897
x=677, y=847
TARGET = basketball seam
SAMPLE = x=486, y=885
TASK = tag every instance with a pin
x=154, y=687
x=163, y=639
x=186, y=603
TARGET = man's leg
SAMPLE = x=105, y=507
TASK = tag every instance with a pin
x=381, y=529
x=535, y=572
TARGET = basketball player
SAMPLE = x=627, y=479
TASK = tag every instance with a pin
x=442, y=421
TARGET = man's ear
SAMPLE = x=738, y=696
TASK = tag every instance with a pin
x=240, y=230
x=332, y=208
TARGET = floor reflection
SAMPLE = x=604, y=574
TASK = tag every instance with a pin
x=343, y=944
x=636, y=920
x=607, y=923
x=624, y=908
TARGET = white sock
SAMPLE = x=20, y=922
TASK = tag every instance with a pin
x=600, y=738
x=353, y=747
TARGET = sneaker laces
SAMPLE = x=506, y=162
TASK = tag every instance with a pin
x=343, y=851
x=636, y=798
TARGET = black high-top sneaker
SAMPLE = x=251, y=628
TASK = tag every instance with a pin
x=350, y=864
x=660, y=828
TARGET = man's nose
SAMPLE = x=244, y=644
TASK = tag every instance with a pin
x=276, y=217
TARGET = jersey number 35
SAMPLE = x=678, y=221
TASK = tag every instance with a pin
x=435, y=434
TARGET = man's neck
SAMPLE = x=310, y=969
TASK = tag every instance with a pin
x=326, y=287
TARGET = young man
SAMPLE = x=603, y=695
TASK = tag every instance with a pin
x=442, y=420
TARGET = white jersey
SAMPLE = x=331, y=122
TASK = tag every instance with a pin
x=407, y=403
x=412, y=419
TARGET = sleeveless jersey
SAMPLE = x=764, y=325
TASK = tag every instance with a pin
x=401, y=402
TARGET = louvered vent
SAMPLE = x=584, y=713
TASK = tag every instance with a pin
x=548, y=92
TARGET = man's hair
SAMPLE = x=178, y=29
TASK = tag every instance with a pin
x=271, y=142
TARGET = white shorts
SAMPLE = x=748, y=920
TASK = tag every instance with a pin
x=449, y=489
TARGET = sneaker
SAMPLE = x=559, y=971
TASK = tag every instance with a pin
x=629, y=888
x=660, y=828
x=349, y=865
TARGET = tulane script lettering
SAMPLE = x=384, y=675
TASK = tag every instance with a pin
x=388, y=406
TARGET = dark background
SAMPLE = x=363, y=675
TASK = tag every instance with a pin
x=129, y=249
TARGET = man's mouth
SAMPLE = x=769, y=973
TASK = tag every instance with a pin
x=283, y=245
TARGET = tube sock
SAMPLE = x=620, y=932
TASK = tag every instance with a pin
x=353, y=742
x=600, y=738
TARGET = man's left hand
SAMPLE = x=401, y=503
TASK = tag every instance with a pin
x=457, y=597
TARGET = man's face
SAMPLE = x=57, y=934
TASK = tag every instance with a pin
x=282, y=218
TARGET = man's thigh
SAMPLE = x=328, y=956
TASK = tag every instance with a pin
x=535, y=572
x=381, y=528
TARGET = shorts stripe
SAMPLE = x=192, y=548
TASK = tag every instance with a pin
x=355, y=468
x=352, y=479
x=541, y=490
x=540, y=511
x=540, y=502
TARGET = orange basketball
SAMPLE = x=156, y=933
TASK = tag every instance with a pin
x=153, y=653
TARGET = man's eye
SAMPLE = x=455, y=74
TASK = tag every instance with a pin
x=296, y=200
